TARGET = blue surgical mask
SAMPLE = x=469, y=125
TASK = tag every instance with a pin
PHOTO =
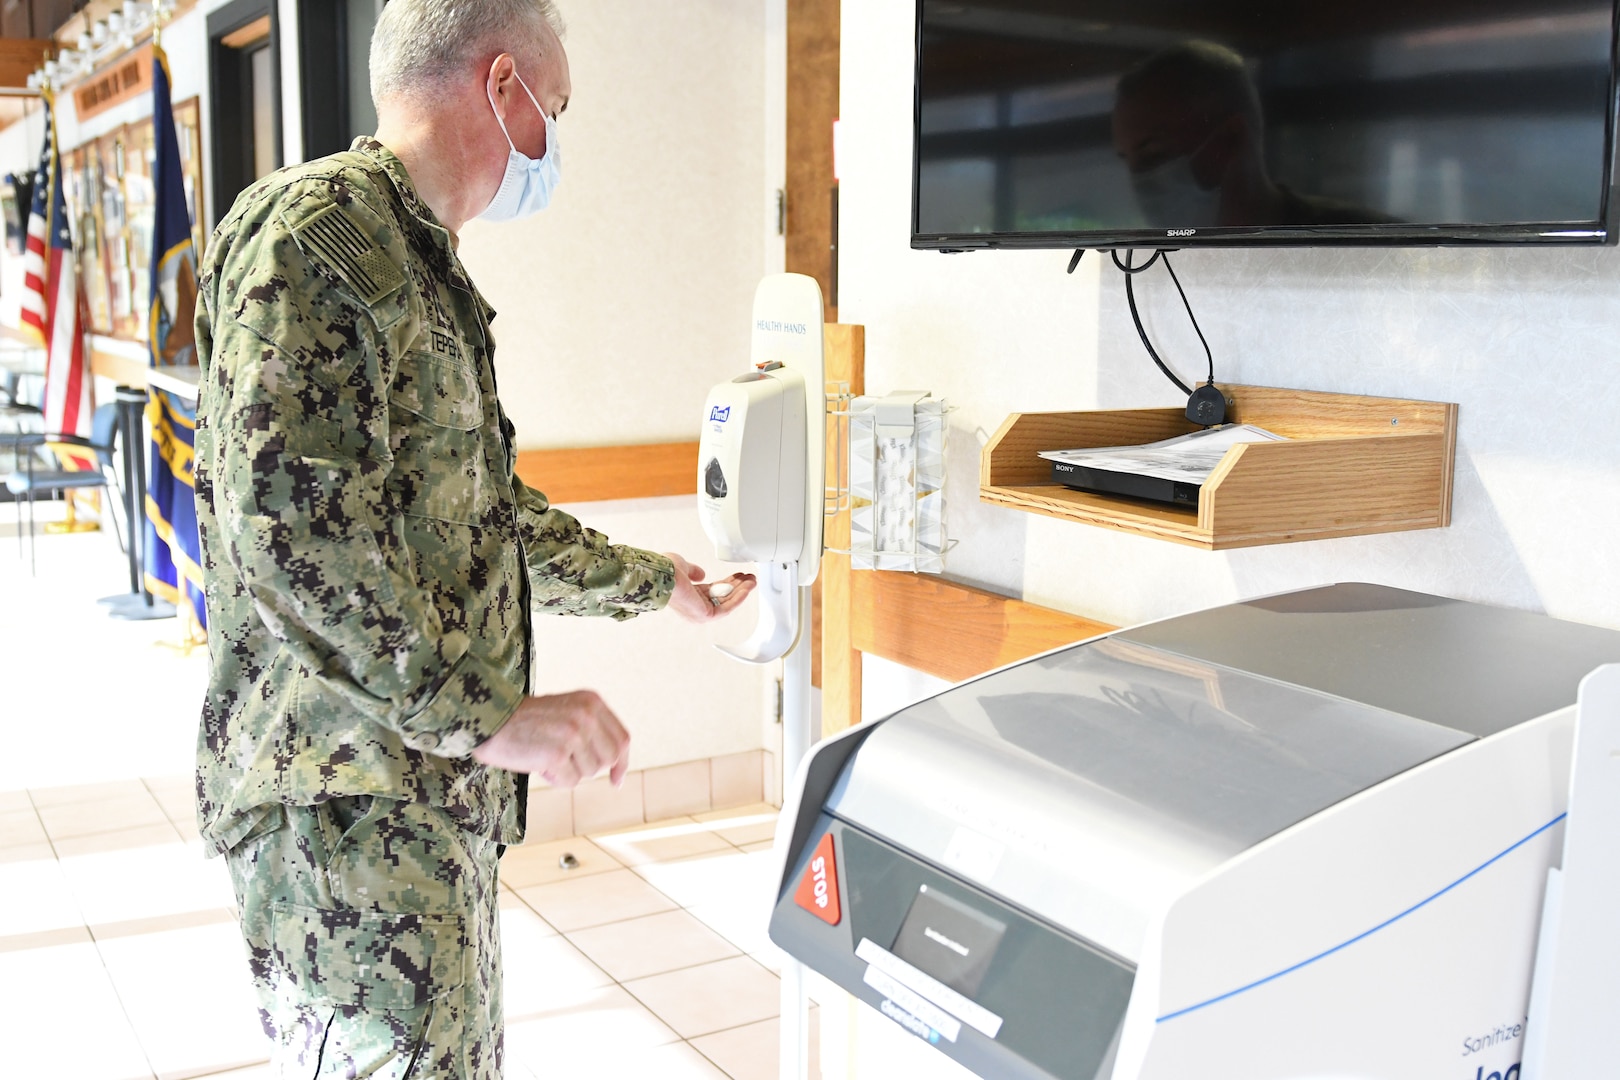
x=527, y=185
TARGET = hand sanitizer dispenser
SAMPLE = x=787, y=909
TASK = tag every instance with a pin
x=752, y=459
x=761, y=461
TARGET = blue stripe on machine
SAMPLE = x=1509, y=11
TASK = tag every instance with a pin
x=1365, y=934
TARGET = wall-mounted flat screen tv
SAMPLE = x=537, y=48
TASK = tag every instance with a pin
x=1181, y=123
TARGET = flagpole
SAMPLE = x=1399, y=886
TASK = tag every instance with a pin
x=47, y=94
x=172, y=563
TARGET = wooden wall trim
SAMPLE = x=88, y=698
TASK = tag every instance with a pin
x=611, y=472
x=953, y=631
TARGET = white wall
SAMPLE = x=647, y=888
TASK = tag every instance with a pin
x=622, y=304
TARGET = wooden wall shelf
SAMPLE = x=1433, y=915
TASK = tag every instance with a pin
x=1352, y=466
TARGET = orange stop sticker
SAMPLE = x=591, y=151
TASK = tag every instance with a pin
x=818, y=892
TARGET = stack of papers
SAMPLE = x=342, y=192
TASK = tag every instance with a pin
x=1187, y=459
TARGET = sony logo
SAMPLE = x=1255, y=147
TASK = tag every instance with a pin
x=1181, y=232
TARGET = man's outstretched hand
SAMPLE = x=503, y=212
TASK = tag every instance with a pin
x=697, y=602
x=563, y=738
x=570, y=738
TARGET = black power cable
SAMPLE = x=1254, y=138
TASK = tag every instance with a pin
x=1205, y=405
x=1130, y=270
x=1209, y=357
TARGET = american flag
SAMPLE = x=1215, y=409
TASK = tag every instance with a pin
x=52, y=302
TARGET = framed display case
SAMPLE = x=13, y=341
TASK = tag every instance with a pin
x=108, y=184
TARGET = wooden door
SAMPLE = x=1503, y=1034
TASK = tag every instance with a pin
x=812, y=106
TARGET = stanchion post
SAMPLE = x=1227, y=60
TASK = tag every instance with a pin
x=797, y=736
x=129, y=433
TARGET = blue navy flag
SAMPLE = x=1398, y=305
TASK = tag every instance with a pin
x=173, y=551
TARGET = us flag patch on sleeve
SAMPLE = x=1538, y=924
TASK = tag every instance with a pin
x=335, y=239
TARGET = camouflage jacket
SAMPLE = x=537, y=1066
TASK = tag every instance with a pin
x=371, y=558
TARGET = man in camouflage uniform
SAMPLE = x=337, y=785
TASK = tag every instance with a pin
x=373, y=560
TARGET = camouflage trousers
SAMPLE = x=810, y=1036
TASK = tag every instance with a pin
x=373, y=937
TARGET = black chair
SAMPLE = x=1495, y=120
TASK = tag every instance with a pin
x=34, y=480
x=12, y=404
x=23, y=419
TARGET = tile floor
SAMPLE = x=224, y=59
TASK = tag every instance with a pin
x=119, y=952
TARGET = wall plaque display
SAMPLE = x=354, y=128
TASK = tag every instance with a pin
x=124, y=80
x=108, y=185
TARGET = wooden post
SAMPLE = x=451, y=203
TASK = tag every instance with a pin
x=840, y=676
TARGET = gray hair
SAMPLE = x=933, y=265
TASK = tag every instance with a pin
x=418, y=44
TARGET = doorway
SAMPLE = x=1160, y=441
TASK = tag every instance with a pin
x=334, y=43
x=244, y=72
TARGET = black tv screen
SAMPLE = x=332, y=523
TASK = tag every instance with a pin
x=1179, y=123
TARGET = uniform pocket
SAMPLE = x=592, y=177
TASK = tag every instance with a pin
x=370, y=960
x=437, y=440
x=439, y=390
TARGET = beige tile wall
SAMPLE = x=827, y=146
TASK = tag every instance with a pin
x=692, y=787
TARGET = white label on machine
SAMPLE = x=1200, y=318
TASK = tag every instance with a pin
x=915, y=1004
x=974, y=1016
x=973, y=854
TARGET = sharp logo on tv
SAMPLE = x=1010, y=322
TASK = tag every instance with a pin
x=1182, y=232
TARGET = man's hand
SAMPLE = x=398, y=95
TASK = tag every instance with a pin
x=563, y=738
x=700, y=603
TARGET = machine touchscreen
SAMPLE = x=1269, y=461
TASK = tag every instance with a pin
x=949, y=940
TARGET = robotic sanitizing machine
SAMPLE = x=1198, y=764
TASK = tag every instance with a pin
x=1301, y=837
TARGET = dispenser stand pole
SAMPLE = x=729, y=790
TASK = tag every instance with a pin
x=797, y=736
